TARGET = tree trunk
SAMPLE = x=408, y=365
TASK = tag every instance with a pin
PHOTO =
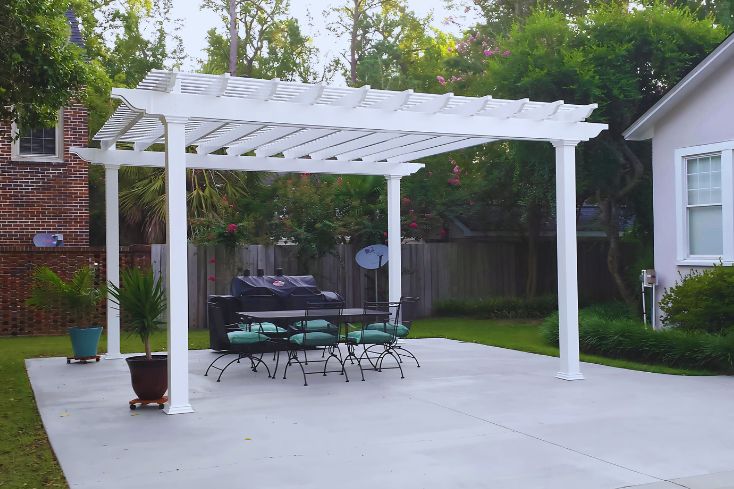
x=610, y=219
x=233, y=37
x=353, y=44
x=148, y=352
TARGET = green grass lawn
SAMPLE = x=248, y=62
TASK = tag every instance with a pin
x=26, y=459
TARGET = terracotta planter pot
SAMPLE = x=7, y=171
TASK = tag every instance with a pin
x=149, y=377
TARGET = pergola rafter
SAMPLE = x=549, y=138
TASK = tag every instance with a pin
x=279, y=126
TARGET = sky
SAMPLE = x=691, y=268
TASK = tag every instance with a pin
x=197, y=22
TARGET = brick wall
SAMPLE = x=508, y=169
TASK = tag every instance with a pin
x=46, y=197
x=16, y=267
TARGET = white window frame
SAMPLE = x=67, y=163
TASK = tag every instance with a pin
x=58, y=157
x=683, y=256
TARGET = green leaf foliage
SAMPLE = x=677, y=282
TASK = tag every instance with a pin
x=78, y=297
x=498, y=307
x=40, y=70
x=142, y=302
x=620, y=336
x=701, y=301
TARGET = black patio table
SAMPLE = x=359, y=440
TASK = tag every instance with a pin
x=290, y=316
x=352, y=314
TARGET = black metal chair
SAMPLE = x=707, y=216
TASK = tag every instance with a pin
x=232, y=340
x=305, y=339
x=373, y=340
x=398, y=325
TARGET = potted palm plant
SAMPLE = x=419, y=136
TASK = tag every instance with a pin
x=142, y=302
x=78, y=298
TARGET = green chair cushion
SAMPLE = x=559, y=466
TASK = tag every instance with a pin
x=370, y=337
x=399, y=330
x=320, y=325
x=262, y=328
x=246, y=338
x=315, y=338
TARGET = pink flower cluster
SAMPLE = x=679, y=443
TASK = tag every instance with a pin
x=492, y=52
x=455, y=180
x=442, y=80
x=231, y=228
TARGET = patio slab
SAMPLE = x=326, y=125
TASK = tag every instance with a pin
x=472, y=416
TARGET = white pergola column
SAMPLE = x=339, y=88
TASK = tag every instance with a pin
x=568, y=303
x=112, y=247
x=176, y=267
x=394, y=258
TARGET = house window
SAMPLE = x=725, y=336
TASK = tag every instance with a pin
x=39, y=144
x=705, y=225
x=705, y=201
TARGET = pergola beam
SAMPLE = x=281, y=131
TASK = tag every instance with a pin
x=247, y=163
x=501, y=126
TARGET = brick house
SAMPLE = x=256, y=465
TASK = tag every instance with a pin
x=43, y=187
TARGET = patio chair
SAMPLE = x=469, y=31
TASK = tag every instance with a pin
x=398, y=325
x=232, y=340
x=372, y=339
x=306, y=339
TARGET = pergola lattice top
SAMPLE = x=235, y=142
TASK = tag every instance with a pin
x=316, y=122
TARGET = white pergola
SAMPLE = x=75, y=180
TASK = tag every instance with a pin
x=249, y=124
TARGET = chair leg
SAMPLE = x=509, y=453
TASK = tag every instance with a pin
x=215, y=361
x=236, y=360
x=408, y=354
x=277, y=360
x=259, y=361
x=351, y=356
x=326, y=363
x=388, y=351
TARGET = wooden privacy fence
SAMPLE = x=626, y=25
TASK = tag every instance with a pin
x=432, y=271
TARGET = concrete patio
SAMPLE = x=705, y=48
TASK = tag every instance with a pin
x=472, y=417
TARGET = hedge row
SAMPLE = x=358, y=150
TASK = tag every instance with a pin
x=498, y=307
x=627, y=338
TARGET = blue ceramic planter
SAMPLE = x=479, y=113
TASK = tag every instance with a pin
x=84, y=341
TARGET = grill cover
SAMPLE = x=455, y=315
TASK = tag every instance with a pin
x=280, y=285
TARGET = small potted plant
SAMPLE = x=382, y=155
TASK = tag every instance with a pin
x=78, y=298
x=142, y=303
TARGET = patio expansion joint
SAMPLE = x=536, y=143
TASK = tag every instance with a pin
x=550, y=442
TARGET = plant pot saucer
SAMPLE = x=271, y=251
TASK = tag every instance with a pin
x=145, y=402
x=83, y=359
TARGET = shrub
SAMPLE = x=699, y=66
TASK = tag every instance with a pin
x=625, y=337
x=498, y=307
x=701, y=301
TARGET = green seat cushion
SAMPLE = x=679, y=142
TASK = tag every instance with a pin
x=399, y=330
x=370, y=337
x=262, y=328
x=315, y=338
x=246, y=338
x=320, y=325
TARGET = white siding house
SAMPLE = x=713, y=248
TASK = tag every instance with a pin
x=692, y=133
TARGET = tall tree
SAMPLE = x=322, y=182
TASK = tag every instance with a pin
x=233, y=36
x=40, y=70
x=357, y=20
x=622, y=59
x=269, y=42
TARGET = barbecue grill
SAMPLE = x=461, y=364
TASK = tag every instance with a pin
x=269, y=293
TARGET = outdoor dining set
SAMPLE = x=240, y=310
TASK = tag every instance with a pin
x=311, y=327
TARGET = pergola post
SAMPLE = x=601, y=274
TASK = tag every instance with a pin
x=394, y=258
x=112, y=247
x=176, y=267
x=568, y=304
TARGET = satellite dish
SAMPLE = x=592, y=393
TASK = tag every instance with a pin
x=44, y=240
x=372, y=257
